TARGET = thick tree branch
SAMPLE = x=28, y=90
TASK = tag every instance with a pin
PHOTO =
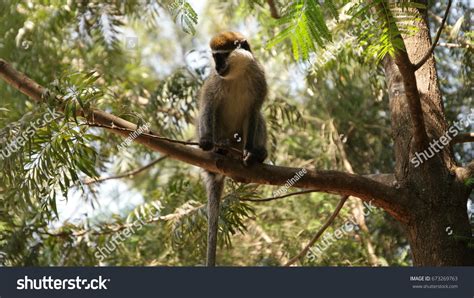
x=20, y=81
x=336, y=182
x=435, y=41
x=407, y=71
x=150, y=134
x=319, y=233
x=463, y=138
x=387, y=179
x=154, y=136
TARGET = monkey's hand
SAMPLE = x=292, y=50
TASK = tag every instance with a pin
x=205, y=143
x=256, y=155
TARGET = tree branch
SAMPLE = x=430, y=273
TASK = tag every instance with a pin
x=319, y=233
x=273, y=9
x=356, y=206
x=125, y=175
x=336, y=182
x=150, y=134
x=435, y=42
x=460, y=39
x=154, y=136
x=281, y=197
x=114, y=228
x=387, y=179
x=407, y=71
x=451, y=45
x=463, y=138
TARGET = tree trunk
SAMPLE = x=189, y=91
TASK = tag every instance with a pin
x=437, y=226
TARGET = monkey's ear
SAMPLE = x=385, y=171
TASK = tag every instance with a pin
x=245, y=45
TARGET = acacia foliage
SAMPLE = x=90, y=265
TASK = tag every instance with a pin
x=125, y=57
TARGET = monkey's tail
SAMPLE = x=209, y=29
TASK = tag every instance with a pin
x=214, y=187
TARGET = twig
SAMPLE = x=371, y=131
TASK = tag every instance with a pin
x=463, y=43
x=281, y=197
x=114, y=228
x=435, y=42
x=113, y=127
x=154, y=136
x=357, y=208
x=125, y=175
x=319, y=233
x=451, y=45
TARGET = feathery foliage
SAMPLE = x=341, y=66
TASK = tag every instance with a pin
x=184, y=13
x=304, y=26
x=76, y=49
x=382, y=32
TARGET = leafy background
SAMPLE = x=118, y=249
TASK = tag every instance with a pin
x=145, y=61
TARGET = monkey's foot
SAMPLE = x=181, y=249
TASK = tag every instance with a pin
x=222, y=146
x=206, y=144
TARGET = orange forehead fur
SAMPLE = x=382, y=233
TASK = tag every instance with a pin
x=225, y=40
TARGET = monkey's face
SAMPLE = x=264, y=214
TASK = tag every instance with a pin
x=232, y=63
x=228, y=50
x=221, y=63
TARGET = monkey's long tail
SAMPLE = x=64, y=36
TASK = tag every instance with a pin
x=214, y=187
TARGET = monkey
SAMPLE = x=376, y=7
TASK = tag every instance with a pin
x=230, y=115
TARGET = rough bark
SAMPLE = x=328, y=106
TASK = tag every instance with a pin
x=438, y=228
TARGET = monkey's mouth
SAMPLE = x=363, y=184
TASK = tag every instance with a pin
x=223, y=71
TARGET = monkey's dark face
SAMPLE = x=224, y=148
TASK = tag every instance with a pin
x=222, y=66
x=221, y=57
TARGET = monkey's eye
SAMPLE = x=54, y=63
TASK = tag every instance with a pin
x=245, y=45
x=220, y=56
